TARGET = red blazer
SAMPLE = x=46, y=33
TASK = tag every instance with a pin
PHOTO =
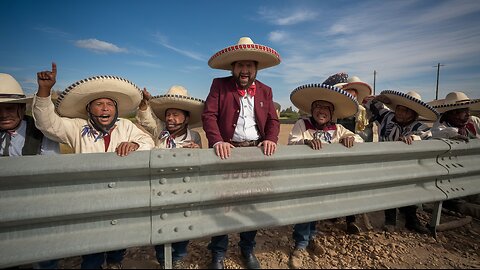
x=222, y=108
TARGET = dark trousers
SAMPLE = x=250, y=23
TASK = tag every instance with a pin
x=409, y=211
x=95, y=261
x=179, y=251
x=218, y=245
x=303, y=233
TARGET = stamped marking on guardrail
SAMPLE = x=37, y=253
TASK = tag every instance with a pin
x=245, y=174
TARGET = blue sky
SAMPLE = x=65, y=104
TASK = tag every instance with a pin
x=157, y=44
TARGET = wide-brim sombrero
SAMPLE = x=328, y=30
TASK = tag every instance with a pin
x=74, y=99
x=177, y=97
x=11, y=91
x=454, y=101
x=363, y=89
x=245, y=50
x=344, y=104
x=411, y=100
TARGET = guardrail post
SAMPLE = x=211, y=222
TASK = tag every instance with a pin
x=435, y=220
x=168, y=256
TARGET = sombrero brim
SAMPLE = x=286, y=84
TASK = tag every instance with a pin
x=473, y=105
x=398, y=98
x=160, y=104
x=363, y=90
x=25, y=99
x=265, y=56
x=344, y=103
x=74, y=100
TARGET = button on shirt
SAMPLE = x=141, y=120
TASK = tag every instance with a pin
x=246, y=128
x=18, y=140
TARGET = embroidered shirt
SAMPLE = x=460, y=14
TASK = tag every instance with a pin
x=446, y=131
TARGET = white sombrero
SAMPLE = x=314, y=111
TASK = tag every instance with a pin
x=411, y=100
x=177, y=97
x=245, y=50
x=363, y=89
x=454, y=101
x=75, y=98
x=11, y=91
x=344, y=103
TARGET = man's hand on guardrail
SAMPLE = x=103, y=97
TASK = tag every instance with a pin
x=269, y=147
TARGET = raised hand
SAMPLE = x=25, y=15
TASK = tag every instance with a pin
x=146, y=97
x=46, y=80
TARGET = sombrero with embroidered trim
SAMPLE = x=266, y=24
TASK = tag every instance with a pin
x=11, y=91
x=411, y=100
x=454, y=101
x=363, y=89
x=245, y=50
x=75, y=98
x=177, y=97
x=344, y=104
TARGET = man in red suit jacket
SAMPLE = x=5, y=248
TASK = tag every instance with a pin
x=239, y=112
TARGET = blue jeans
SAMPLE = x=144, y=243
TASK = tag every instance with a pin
x=95, y=261
x=218, y=245
x=179, y=251
x=303, y=233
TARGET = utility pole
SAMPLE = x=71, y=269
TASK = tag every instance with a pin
x=438, y=75
x=374, y=78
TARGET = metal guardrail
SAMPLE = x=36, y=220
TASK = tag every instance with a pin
x=68, y=205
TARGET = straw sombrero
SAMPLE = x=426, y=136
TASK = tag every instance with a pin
x=245, y=50
x=454, y=101
x=177, y=97
x=411, y=100
x=363, y=89
x=11, y=91
x=75, y=98
x=344, y=103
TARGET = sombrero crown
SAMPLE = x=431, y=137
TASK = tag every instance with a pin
x=177, y=97
x=245, y=50
x=363, y=89
x=11, y=91
x=411, y=100
x=344, y=104
x=75, y=98
x=454, y=101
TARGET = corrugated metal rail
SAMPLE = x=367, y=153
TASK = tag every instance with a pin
x=68, y=205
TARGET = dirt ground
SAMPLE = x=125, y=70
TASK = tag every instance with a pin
x=452, y=249
x=375, y=249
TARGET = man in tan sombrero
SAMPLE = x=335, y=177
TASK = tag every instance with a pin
x=169, y=118
x=456, y=121
x=88, y=120
x=325, y=103
x=18, y=134
x=239, y=112
x=398, y=114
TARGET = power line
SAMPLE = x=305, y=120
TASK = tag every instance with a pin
x=438, y=75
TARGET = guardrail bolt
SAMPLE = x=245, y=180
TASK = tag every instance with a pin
x=190, y=169
x=163, y=181
x=159, y=156
x=189, y=154
x=186, y=179
x=174, y=155
x=190, y=227
x=161, y=170
x=175, y=169
x=111, y=185
x=187, y=213
x=189, y=191
x=160, y=193
x=163, y=216
x=114, y=222
x=175, y=229
x=160, y=231
x=175, y=192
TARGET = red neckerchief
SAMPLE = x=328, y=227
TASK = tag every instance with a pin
x=251, y=90
x=106, y=141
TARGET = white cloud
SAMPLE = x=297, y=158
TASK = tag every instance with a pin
x=277, y=36
x=99, y=46
x=162, y=40
x=287, y=17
